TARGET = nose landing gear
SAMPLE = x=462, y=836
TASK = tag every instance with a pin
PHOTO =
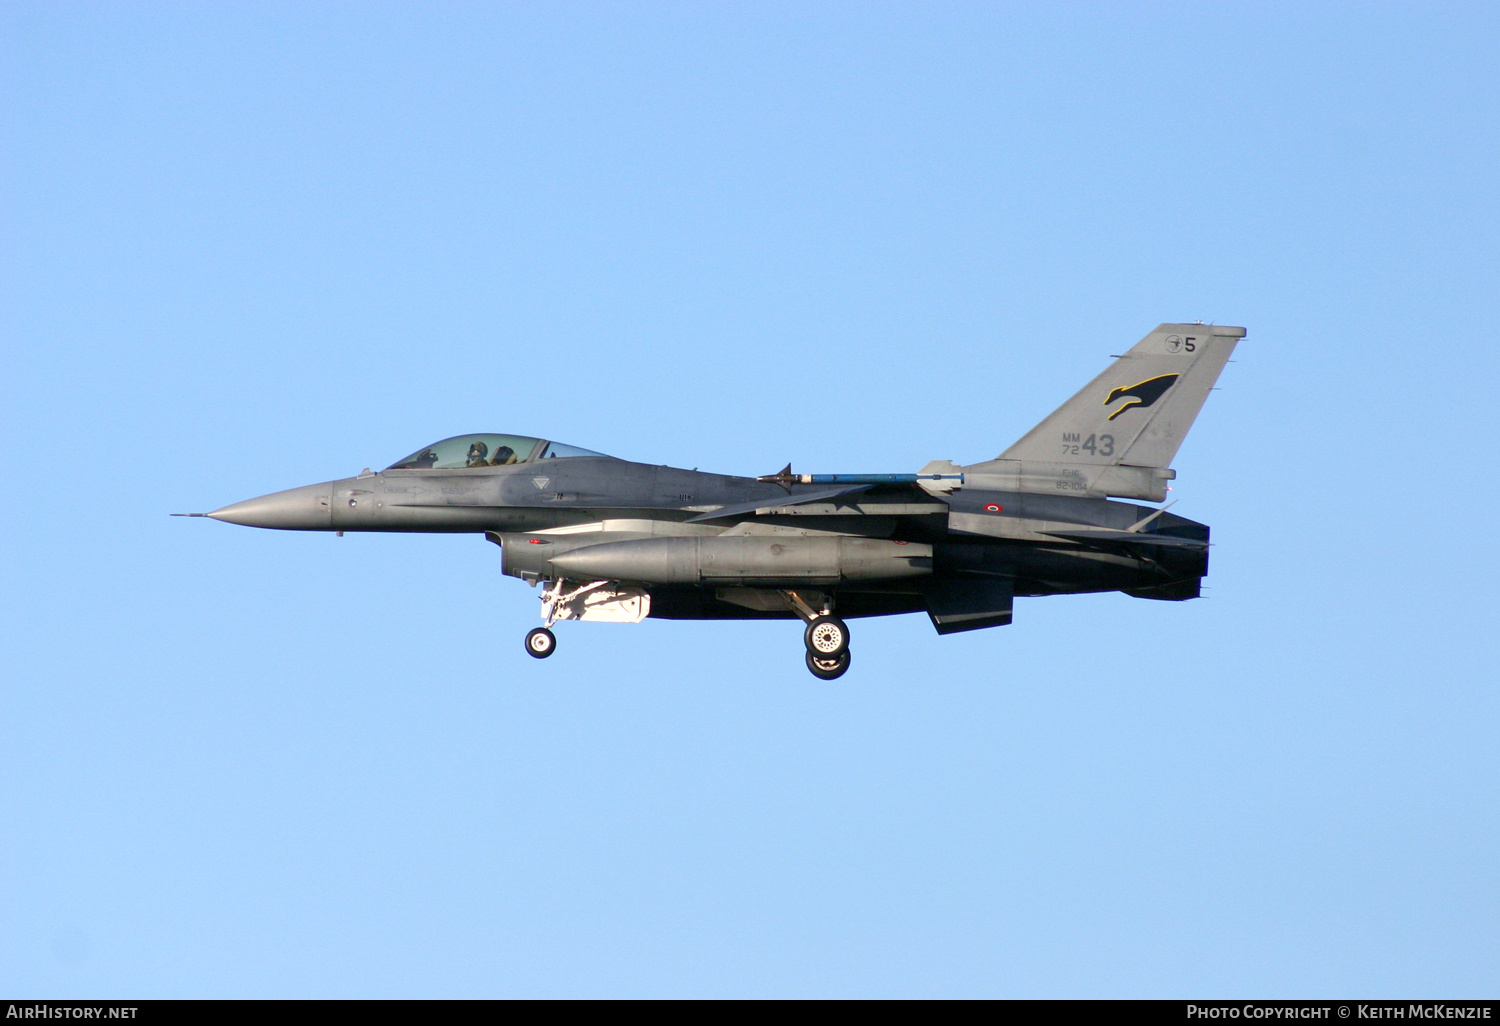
x=540, y=642
x=556, y=599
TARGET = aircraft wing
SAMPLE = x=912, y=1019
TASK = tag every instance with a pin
x=802, y=498
x=1088, y=534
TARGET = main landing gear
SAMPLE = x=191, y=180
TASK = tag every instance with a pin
x=826, y=637
x=827, y=640
x=828, y=669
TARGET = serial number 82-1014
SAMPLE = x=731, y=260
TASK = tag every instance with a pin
x=1094, y=445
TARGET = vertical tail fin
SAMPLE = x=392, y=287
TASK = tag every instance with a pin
x=1118, y=435
x=1138, y=411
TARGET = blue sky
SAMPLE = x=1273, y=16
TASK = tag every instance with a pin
x=247, y=247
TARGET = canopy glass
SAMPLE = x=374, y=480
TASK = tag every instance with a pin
x=462, y=452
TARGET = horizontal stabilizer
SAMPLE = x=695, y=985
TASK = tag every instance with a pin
x=969, y=603
x=1172, y=591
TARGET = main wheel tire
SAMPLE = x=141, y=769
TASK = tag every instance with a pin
x=826, y=637
x=540, y=642
x=828, y=669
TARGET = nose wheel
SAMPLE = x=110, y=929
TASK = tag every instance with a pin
x=540, y=642
x=827, y=640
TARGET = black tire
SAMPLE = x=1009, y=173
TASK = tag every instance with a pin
x=828, y=669
x=540, y=643
x=826, y=637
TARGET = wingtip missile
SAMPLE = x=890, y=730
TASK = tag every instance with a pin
x=783, y=477
x=786, y=478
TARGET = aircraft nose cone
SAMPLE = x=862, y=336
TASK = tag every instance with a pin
x=296, y=509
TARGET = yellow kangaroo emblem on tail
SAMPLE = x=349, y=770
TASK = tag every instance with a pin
x=1145, y=393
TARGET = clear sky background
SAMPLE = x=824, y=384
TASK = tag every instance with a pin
x=253, y=246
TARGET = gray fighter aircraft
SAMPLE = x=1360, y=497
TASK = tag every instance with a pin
x=618, y=541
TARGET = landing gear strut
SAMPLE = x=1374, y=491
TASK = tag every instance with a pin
x=540, y=642
x=826, y=637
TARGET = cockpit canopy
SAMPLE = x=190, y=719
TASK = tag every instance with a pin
x=468, y=451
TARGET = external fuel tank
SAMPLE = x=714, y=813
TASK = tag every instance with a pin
x=741, y=559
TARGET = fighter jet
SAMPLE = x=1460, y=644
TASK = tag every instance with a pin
x=611, y=540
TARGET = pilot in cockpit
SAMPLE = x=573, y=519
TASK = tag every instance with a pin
x=504, y=454
x=477, y=453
